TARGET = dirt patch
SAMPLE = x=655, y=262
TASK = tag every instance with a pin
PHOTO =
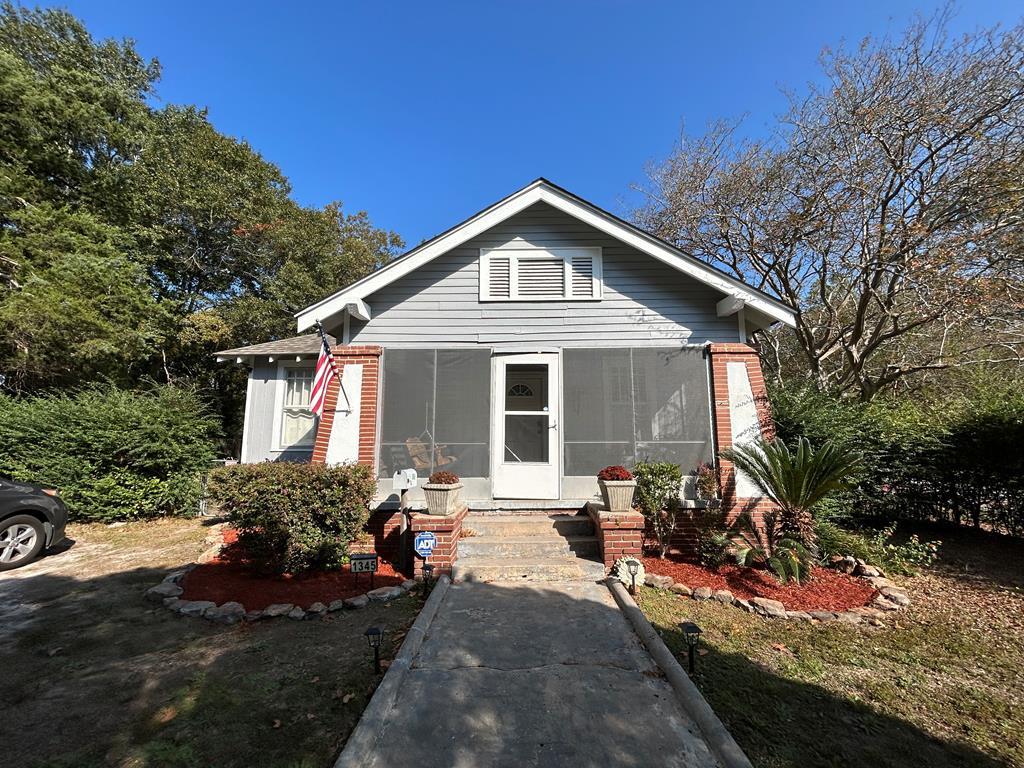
x=826, y=590
x=231, y=576
x=120, y=681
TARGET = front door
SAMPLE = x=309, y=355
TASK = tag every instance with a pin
x=524, y=408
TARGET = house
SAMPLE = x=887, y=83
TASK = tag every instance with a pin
x=524, y=349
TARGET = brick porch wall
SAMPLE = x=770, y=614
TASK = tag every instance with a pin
x=447, y=529
x=685, y=535
x=369, y=357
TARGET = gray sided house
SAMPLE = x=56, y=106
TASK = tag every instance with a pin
x=523, y=349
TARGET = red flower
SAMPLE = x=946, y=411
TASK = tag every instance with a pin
x=614, y=473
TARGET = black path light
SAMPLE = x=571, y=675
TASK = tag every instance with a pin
x=428, y=574
x=373, y=636
x=634, y=569
x=691, y=633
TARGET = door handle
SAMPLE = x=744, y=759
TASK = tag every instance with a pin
x=554, y=425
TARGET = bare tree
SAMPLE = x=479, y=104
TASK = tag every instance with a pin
x=887, y=207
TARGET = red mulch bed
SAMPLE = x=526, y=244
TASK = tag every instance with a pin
x=230, y=576
x=826, y=590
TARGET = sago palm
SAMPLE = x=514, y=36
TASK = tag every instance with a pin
x=796, y=480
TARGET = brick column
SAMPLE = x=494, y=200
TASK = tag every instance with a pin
x=369, y=358
x=618, y=533
x=447, y=529
x=721, y=355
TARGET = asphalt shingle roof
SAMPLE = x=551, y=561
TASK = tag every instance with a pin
x=296, y=345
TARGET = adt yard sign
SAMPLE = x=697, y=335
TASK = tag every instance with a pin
x=425, y=543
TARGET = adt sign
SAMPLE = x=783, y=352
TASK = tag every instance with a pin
x=425, y=543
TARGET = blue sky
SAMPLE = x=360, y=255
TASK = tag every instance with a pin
x=424, y=112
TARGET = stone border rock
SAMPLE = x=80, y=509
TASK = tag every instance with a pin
x=168, y=593
x=889, y=598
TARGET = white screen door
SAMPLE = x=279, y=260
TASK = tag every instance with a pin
x=524, y=408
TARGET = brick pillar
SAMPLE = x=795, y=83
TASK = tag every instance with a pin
x=369, y=358
x=721, y=356
x=618, y=533
x=447, y=529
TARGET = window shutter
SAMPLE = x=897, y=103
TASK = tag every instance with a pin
x=582, y=282
x=540, y=278
x=499, y=277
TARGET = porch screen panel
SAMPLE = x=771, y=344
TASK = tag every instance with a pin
x=670, y=406
x=598, y=410
x=407, y=411
x=623, y=406
x=462, y=418
x=435, y=411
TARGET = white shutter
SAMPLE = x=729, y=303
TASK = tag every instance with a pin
x=540, y=278
x=581, y=283
x=499, y=276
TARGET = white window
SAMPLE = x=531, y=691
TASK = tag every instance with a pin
x=298, y=424
x=540, y=274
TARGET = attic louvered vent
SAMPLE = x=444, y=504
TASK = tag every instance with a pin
x=540, y=274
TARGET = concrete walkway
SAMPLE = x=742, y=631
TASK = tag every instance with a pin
x=542, y=674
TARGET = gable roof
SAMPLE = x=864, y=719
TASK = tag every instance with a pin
x=737, y=293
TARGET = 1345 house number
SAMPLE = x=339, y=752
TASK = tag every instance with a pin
x=363, y=563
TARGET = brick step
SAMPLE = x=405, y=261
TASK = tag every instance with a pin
x=529, y=525
x=528, y=547
x=522, y=569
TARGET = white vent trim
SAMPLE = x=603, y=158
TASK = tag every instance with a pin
x=518, y=273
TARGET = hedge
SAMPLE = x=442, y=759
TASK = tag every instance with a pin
x=956, y=457
x=294, y=517
x=114, y=454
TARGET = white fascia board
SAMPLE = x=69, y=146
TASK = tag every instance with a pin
x=332, y=305
x=667, y=255
x=540, y=192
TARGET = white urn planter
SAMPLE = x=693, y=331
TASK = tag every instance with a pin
x=443, y=500
x=617, y=494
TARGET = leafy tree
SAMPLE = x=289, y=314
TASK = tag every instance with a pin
x=886, y=208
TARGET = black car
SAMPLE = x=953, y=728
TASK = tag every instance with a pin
x=31, y=519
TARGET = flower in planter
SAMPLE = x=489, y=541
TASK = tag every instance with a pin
x=615, y=474
x=443, y=478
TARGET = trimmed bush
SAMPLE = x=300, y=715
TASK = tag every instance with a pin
x=658, y=487
x=293, y=518
x=114, y=454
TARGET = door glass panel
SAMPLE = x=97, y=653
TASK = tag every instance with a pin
x=526, y=413
x=526, y=388
x=526, y=438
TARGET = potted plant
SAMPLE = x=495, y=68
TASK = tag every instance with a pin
x=443, y=492
x=706, y=484
x=617, y=487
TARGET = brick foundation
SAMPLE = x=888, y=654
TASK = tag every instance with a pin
x=619, y=534
x=447, y=529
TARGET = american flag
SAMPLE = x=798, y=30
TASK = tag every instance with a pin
x=325, y=369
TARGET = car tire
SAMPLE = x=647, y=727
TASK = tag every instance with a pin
x=22, y=538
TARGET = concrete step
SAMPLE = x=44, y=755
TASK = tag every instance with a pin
x=529, y=525
x=529, y=547
x=522, y=569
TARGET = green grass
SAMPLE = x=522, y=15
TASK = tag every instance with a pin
x=941, y=685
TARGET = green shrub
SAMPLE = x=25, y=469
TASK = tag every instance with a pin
x=114, y=454
x=768, y=546
x=658, y=485
x=876, y=547
x=294, y=517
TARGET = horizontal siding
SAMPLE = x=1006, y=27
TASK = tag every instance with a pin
x=260, y=410
x=644, y=300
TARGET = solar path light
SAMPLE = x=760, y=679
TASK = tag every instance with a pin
x=373, y=636
x=691, y=633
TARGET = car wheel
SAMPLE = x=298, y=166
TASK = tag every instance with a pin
x=21, y=539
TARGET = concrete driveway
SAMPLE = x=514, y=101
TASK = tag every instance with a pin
x=542, y=674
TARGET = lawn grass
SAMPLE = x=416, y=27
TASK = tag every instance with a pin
x=100, y=677
x=940, y=685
